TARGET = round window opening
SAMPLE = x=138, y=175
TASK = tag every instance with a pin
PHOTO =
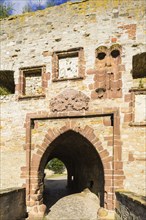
x=101, y=55
x=115, y=53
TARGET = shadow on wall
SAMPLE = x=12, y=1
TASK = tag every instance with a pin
x=10, y=209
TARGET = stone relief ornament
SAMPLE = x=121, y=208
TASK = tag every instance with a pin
x=107, y=80
x=69, y=100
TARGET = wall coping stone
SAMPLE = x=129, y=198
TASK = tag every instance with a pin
x=131, y=197
x=130, y=205
x=10, y=190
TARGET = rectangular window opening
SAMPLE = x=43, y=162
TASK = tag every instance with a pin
x=139, y=66
x=138, y=107
x=140, y=112
x=68, y=64
x=31, y=81
x=7, y=84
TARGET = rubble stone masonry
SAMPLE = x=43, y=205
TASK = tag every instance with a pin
x=130, y=206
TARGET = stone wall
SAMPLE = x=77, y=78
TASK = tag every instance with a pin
x=130, y=206
x=13, y=204
x=103, y=36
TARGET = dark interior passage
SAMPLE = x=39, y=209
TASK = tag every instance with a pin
x=54, y=189
x=83, y=163
x=7, y=84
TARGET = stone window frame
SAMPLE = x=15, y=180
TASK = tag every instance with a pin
x=22, y=77
x=73, y=52
x=134, y=92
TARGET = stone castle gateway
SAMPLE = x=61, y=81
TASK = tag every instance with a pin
x=75, y=75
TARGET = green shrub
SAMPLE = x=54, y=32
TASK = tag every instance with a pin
x=56, y=165
x=5, y=10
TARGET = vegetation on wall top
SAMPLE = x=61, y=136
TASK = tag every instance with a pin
x=5, y=10
x=34, y=6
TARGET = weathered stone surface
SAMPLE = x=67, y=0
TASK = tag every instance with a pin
x=102, y=212
x=37, y=212
x=140, y=105
x=13, y=204
x=108, y=82
x=79, y=206
x=130, y=206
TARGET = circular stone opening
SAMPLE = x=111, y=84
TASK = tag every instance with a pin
x=115, y=53
x=101, y=55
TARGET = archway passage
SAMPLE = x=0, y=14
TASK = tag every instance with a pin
x=83, y=163
x=55, y=183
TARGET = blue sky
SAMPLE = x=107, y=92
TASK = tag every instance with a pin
x=18, y=5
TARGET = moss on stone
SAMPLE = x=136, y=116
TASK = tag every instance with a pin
x=81, y=7
x=4, y=91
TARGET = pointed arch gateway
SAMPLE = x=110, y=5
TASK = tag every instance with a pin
x=83, y=163
x=80, y=156
x=88, y=162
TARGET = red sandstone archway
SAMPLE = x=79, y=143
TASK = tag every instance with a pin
x=112, y=164
x=81, y=157
x=82, y=161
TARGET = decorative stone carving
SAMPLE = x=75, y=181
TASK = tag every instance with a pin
x=100, y=92
x=107, y=79
x=69, y=100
